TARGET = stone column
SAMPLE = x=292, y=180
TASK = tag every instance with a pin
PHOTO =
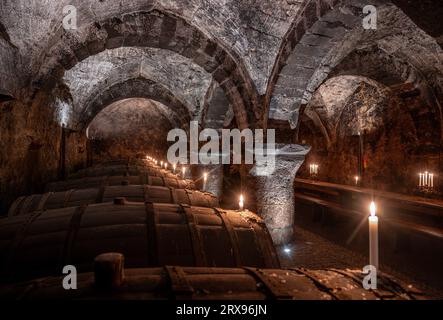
x=275, y=191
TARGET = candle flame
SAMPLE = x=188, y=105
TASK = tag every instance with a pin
x=372, y=209
x=241, y=202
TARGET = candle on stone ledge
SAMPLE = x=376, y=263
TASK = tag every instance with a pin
x=241, y=203
x=373, y=236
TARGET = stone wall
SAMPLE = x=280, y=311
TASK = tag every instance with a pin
x=402, y=144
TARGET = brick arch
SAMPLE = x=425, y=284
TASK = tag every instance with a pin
x=135, y=88
x=160, y=30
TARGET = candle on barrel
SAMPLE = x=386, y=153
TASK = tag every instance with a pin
x=205, y=178
x=373, y=236
x=241, y=203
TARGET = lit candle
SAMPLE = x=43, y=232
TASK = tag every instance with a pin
x=373, y=236
x=356, y=179
x=205, y=178
x=426, y=178
x=166, y=166
x=161, y=164
x=241, y=203
x=431, y=176
x=420, y=179
x=184, y=172
x=174, y=166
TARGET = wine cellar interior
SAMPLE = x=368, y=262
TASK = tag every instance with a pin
x=345, y=95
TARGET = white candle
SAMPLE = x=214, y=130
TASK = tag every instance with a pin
x=174, y=166
x=184, y=172
x=205, y=178
x=241, y=203
x=356, y=180
x=432, y=179
x=419, y=179
x=426, y=178
x=166, y=166
x=373, y=236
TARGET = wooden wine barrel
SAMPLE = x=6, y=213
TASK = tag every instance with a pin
x=213, y=284
x=98, y=182
x=114, y=162
x=121, y=170
x=132, y=193
x=148, y=235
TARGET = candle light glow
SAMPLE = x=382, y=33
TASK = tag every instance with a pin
x=426, y=180
x=373, y=236
x=241, y=203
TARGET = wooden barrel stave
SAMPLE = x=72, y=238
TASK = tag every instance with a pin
x=96, y=182
x=220, y=284
x=132, y=193
x=147, y=234
x=117, y=170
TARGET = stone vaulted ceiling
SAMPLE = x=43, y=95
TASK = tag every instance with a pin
x=261, y=59
x=179, y=75
x=251, y=29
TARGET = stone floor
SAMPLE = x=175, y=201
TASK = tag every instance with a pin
x=310, y=250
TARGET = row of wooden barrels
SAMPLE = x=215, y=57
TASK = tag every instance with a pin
x=150, y=219
x=154, y=220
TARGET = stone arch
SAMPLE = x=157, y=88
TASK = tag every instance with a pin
x=311, y=11
x=330, y=40
x=325, y=110
x=188, y=81
x=135, y=88
x=160, y=30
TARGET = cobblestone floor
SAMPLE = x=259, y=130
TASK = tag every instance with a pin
x=310, y=250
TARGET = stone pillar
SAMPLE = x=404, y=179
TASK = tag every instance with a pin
x=275, y=191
